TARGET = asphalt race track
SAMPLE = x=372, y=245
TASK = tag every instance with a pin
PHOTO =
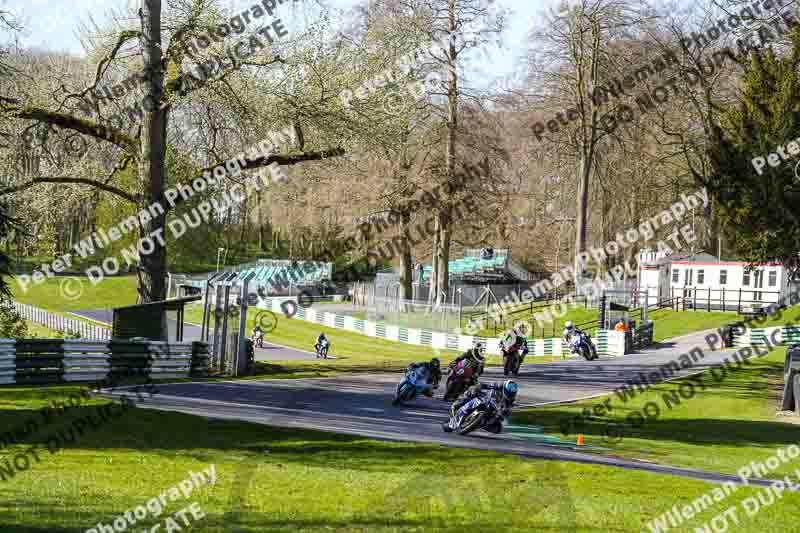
x=362, y=404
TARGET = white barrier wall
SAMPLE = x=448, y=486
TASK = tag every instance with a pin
x=607, y=342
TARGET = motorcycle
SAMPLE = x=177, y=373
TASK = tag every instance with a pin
x=582, y=344
x=461, y=377
x=258, y=340
x=513, y=360
x=322, y=350
x=480, y=413
x=413, y=384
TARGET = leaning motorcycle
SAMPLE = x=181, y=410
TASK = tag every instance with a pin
x=322, y=350
x=460, y=378
x=513, y=360
x=412, y=385
x=480, y=412
x=582, y=344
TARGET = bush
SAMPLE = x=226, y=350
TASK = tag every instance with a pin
x=12, y=325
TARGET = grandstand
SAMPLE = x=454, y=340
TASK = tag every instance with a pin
x=478, y=267
x=272, y=277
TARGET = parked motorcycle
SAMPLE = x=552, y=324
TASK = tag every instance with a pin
x=583, y=345
x=460, y=378
x=414, y=383
x=480, y=413
x=322, y=350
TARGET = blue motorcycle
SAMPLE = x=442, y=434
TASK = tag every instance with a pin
x=414, y=383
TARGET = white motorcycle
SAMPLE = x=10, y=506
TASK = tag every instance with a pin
x=582, y=344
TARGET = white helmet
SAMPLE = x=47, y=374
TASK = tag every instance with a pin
x=568, y=325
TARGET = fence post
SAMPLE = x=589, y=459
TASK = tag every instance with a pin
x=709, y=299
x=724, y=307
x=739, y=307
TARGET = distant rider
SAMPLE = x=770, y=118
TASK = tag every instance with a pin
x=569, y=333
x=504, y=396
x=257, y=336
x=318, y=343
x=476, y=358
x=514, y=342
x=433, y=370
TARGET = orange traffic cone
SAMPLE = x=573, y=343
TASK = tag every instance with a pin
x=580, y=440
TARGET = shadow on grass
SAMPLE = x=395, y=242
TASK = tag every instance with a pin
x=748, y=384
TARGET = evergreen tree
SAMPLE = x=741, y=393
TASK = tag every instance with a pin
x=760, y=209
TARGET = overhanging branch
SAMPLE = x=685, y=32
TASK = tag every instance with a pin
x=63, y=179
x=69, y=122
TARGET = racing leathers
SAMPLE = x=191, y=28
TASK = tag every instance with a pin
x=475, y=359
x=434, y=374
x=462, y=407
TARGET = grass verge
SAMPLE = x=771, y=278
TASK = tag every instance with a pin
x=720, y=422
x=286, y=480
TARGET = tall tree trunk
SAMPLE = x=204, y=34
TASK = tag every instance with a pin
x=152, y=169
x=406, y=266
x=443, y=256
x=434, y=264
x=443, y=220
x=582, y=216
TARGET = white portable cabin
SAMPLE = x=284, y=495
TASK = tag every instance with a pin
x=706, y=283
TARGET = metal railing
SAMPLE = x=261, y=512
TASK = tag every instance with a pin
x=68, y=326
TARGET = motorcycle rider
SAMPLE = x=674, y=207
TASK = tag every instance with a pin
x=514, y=342
x=504, y=396
x=257, y=336
x=318, y=343
x=570, y=331
x=434, y=373
x=475, y=356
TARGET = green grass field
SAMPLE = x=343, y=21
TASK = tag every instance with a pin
x=730, y=423
x=281, y=480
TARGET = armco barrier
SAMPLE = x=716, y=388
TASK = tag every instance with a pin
x=608, y=342
x=791, y=380
x=762, y=336
x=36, y=361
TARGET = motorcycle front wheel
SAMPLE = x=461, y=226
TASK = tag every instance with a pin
x=474, y=421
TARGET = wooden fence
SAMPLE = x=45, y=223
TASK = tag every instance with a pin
x=69, y=326
x=35, y=361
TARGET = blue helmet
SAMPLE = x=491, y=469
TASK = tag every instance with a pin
x=510, y=390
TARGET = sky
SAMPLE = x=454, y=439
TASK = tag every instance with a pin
x=54, y=24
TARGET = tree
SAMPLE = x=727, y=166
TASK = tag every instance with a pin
x=170, y=78
x=576, y=59
x=758, y=203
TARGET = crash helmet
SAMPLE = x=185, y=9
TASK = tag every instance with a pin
x=480, y=351
x=569, y=326
x=435, y=363
x=510, y=390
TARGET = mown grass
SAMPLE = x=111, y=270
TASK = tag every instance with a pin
x=717, y=424
x=285, y=480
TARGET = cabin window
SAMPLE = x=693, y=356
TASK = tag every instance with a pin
x=746, y=278
x=675, y=275
x=773, y=278
x=701, y=276
x=723, y=277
